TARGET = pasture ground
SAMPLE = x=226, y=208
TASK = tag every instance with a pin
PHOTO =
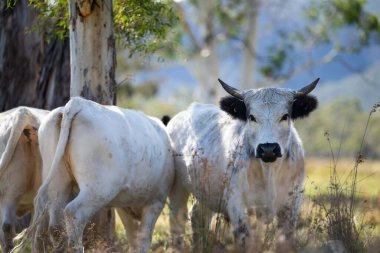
x=318, y=172
x=323, y=216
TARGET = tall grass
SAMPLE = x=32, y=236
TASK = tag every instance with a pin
x=334, y=221
x=341, y=222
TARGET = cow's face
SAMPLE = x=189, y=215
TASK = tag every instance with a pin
x=268, y=114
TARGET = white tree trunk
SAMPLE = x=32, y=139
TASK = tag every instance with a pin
x=207, y=64
x=93, y=63
x=249, y=49
x=92, y=51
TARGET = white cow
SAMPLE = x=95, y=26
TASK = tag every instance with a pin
x=245, y=155
x=20, y=167
x=116, y=157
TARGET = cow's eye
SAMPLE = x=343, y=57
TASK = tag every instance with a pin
x=285, y=117
x=252, y=118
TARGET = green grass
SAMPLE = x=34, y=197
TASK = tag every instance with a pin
x=318, y=174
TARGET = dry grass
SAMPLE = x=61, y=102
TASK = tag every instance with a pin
x=315, y=227
x=319, y=169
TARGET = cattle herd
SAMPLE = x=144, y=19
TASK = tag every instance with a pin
x=58, y=168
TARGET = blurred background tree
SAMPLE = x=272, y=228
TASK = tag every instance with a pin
x=258, y=43
x=33, y=70
x=170, y=53
x=344, y=120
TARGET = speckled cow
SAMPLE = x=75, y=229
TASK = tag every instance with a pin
x=245, y=155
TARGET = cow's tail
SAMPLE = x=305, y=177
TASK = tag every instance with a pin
x=41, y=201
x=72, y=108
x=22, y=119
x=165, y=119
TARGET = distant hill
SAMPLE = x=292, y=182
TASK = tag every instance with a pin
x=366, y=90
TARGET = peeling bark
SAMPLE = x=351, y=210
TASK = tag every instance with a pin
x=93, y=58
x=93, y=62
x=85, y=7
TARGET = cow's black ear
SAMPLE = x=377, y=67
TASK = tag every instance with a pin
x=303, y=105
x=234, y=107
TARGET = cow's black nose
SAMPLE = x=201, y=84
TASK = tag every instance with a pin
x=268, y=152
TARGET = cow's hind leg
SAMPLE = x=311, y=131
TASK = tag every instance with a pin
x=148, y=220
x=56, y=228
x=131, y=226
x=8, y=227
x=40, y=241
x=80, y=210
x=178, y=213
x=59, y=193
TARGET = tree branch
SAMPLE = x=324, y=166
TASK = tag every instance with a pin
x=328, y=57
x=182, y=17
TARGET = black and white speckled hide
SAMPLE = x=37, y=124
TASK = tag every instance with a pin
x=216, y=159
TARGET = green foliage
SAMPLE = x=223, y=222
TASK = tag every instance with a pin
x=326, y=22
x=275, y=61
x=11, y=3
x=144, y=97
x=53, y=18
x=329, y=17
x=343, y=121
x=147, y=90
x=142, y=25
x=204, y=24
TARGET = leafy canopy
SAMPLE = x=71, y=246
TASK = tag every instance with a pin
x=141, y=26
x=346, y=25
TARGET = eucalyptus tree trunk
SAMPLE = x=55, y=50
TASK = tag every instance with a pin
x=207, y=63
x=93, y=57
x=20, y=55
x=93, y=62
x=249, y=49
x=32, y=72
x=53, y=85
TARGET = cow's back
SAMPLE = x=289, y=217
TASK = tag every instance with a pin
x=123, y=147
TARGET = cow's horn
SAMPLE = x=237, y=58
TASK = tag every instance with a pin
x=231, y=90
x=307, y=89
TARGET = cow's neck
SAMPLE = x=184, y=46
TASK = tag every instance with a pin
x=261, y=178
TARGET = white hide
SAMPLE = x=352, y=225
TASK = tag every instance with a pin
x=117, y=157
x=20, y=167
x=215, y=161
